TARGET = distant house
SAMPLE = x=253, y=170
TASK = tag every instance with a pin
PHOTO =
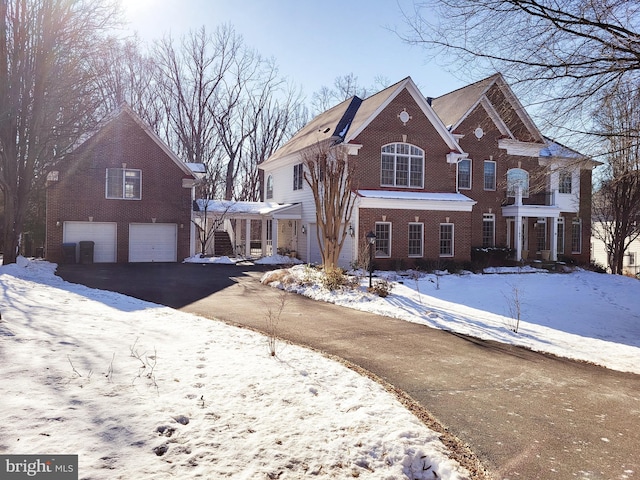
x=599, y=255
x=437, y=177
x=125, y=191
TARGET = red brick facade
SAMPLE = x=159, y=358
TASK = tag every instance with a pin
x=79, y=192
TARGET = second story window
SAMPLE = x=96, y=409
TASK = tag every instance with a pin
x=464, y=174
x=297, y=176
x=124, y=183
x=565, y=182
x=517, y=178
x=402, y=165
x=489, y=175
x=269, y=192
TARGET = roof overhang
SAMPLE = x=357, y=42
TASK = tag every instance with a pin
x=249, y=210
x=398, y=200
x=547, y=211
x=522, y=149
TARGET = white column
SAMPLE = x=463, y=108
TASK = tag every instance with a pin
x=263, y=237
x=554, y=239
x=247, y=237
x=274, y=237
x=518, y=226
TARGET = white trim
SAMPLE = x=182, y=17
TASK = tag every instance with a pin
x=427, y=204
x=522, y=149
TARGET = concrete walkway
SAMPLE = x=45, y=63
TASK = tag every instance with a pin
x=525, y=415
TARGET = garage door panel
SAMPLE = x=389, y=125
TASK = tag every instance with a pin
x=103, y=234
x=153, y=242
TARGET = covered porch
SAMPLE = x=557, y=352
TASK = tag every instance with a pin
x=254, y=229
x=543, y=240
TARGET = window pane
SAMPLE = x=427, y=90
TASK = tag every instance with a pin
x=576, y=236
x=269, y=186
x=489, y=175
x=387, y=170
x=415, y=239
x=383, y=239
x=114, y=183
x=517, y=177
x=402, y=171
x=464, y=174
x=541, y=236
x=565, y=182
x=560, y=235
x=132, y=184
x=416, y=173
x=402, y=165
x=488, y=231
x=446, y=240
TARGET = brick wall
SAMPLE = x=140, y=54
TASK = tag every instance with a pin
x=80, y=193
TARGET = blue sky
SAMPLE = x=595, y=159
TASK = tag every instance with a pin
x=312, y=42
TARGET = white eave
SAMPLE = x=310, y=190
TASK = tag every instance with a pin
x=548, y=211
x=232, y=209
x=522, y=149
x=399, y=200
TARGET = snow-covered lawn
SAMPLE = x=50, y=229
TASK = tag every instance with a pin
x=581, y=315
x=141, y=391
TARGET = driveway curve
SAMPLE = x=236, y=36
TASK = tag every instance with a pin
x=524, y=414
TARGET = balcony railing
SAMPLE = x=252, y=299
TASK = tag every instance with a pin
x=538, y=198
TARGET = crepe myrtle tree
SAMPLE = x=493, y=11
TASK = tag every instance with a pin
x=330, y=175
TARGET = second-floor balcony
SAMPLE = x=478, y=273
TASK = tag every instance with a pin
x=542, y=198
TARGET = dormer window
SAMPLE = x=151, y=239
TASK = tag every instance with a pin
x=124, y=183
x=402, y=165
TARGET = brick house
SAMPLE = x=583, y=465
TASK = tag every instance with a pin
x=437, y=177
x=124, y=190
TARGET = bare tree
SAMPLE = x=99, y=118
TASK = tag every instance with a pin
x=616, y=205
x=47, y=94
x=563, y=51
x=344, y=87
x=125, y=73
x=330, y=174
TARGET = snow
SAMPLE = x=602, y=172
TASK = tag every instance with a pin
x=580, y=315
x=141, y=391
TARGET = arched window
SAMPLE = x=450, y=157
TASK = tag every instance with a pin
x=402, y=165
x=517, y=177
x=269, y=187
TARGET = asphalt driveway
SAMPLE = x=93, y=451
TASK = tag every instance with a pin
x=524, y=414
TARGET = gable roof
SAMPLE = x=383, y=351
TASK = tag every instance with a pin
x=125, y=109
x=345, y=121
x=455, y=106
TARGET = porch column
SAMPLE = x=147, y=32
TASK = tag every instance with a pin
x=247, y=237
x=263, y=237
x=518, y=232
x=274, y=236
x=554, y=239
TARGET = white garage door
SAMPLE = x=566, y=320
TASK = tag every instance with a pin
x=345, y=258
x=102, y=233
x=153, y=242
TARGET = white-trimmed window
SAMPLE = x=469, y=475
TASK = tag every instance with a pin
x=269, y=193
x=489, y=175
x=517, y=177
x=541, y=234
x=488, y=230
x=298, y=176
x=416, y=239
x=464, y=174
x=402, y=165
x=560, y=244
x=576, y=235
x=124, y=183
x=566, y=182
x=383, y=239
x=446, y=239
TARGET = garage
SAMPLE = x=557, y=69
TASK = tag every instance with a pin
x=153, y=242
x=103, y=234
x=315, y=257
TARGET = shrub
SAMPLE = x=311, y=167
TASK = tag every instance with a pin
x=334, y=278
x=382, y=288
